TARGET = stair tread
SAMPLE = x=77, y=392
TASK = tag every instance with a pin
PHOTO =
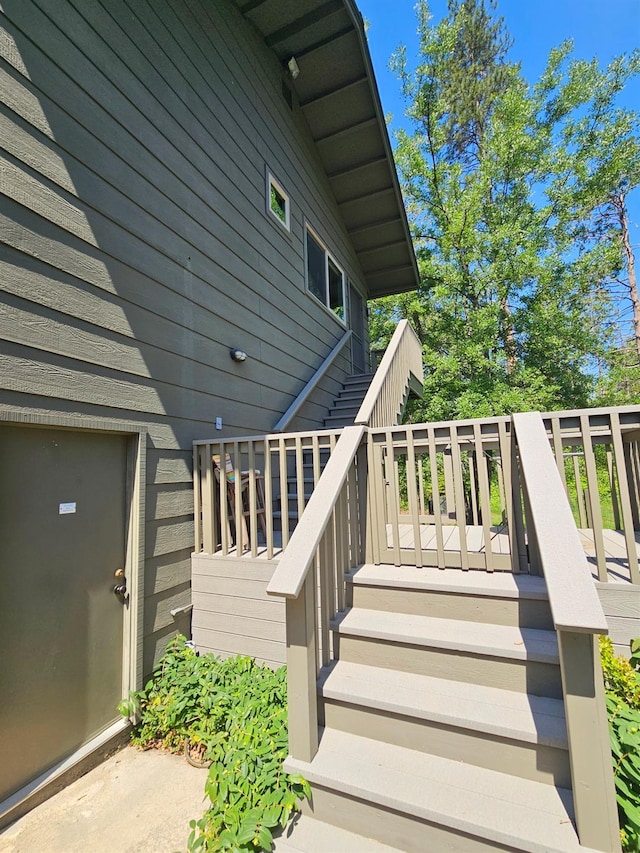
x=499, y=712
x=503, y=584
x=351, y=394
x=475, y=637
x=496, y=806
x=352, y=405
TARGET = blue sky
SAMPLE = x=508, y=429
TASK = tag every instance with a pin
x=602, y=28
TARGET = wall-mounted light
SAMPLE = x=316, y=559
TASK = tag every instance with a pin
x=293, y=67
x=238, y=355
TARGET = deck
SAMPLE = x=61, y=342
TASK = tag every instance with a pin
x=615, y=548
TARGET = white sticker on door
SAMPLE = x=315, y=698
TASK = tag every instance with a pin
x=65, y=509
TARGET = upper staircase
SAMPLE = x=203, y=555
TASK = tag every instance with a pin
x=349, y=400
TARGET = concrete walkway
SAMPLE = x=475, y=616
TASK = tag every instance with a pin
x=142, y=802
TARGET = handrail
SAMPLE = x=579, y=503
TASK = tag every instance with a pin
x=577, y=614
x=302, y=397
x=574, y=601
x=401, y=366
x=310, y=433
x=291, y=572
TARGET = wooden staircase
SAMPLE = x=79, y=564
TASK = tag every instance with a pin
x=348, y=402
x=442, y=720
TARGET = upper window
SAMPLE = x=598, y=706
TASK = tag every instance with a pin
x=325, y=279
x=278, y=202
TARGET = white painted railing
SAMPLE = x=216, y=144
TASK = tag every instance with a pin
x=399, y=372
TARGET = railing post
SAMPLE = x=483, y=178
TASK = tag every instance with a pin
x=588, y=734
x=302, y=651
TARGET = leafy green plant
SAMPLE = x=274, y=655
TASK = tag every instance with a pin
x=622, y=687
x=234, y=712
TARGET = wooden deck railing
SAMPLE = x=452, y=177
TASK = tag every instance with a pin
x=325, y=545
x=597, y=453
x=276, y=474
x=439, y=496
x=578, y=619
x=400, y=494
x=399, y=372
x=449, y=494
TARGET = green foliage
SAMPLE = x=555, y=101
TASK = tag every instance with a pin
x=512, y=194
x=622, y=687
x=236, y=711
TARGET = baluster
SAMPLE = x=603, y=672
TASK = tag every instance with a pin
x=412, y=497
x=392, y=495
x=615, y=501
x=435, y=495
x=485, y=499
x=627, y=514
x=253, y=500
x=461, y=516
x=284, y=493
x=268, y=497
x=594, y=497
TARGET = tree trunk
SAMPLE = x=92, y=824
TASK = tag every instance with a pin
x=620, y=204
x=509, y=336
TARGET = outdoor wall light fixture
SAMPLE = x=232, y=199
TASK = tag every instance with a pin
x=238, y=355
x=293, y=67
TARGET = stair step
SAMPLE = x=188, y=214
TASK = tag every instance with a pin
x=484, y=726
x=505, y=584
x=391, y=789
x=359, y=379
x=503, y=656
x=453, y=634
x=504, y=713
x=498, y=597
x=351, y=395
x=344, y=412
x=346, y=405
x=332, y=421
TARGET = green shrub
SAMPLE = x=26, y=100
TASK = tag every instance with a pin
x=236, y=712
x=622, y=687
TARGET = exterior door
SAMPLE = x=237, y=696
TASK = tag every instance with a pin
x=62, y=537
x=357, y=327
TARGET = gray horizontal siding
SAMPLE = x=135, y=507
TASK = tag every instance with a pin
x=232, y=613
x=621, y=605
x=134, y=245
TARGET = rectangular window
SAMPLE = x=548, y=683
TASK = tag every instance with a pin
x=278, y=202
x=325, y=279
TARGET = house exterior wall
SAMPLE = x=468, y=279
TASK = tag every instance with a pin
x=136, y=248
x=621, y=605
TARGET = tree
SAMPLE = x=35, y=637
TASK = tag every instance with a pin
x=511, y=195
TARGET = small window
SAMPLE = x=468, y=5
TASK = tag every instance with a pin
x=278, y=202
x=325, y=279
